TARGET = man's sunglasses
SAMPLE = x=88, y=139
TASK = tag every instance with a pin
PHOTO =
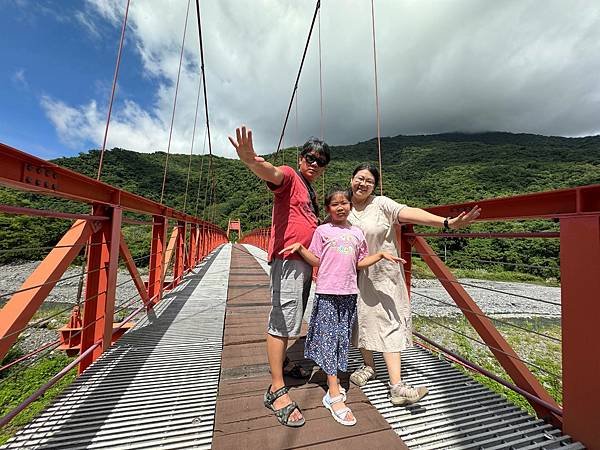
x=312, y=158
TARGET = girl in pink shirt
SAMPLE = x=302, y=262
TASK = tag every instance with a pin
x=339, y=250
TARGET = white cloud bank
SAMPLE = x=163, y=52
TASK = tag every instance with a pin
x=460, y=65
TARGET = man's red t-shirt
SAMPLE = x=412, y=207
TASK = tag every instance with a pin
x=293, y=217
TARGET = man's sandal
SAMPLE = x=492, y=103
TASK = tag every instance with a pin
x=296, y=371
x=340, y=415
x=282, y=414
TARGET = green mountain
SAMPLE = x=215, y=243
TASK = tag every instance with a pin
x=418, y=170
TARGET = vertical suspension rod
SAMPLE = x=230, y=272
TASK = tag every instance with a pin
x=162, y=192
x=312, y=25
x=114, y=86
x=205, y=97
x=377, y=100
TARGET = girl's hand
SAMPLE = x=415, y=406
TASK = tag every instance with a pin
x=464, y=219
x=392, y=258
x=292, y=248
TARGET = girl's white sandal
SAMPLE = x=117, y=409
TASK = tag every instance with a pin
x=340, y=415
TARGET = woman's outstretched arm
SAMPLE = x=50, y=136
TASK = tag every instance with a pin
x=421, y=217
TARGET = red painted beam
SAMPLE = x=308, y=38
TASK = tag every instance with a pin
x=170, y=251
x=580, y=300
x=540, y=234
x=552, y=204
x=7, y=209
x=21, y=307
x=135, y=275
x=157, y=260
x=503, y=352
x=26, y=172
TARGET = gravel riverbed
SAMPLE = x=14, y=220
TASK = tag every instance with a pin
x=429, y=298
x=62, y=297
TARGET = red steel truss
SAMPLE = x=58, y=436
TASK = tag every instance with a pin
x=102, y=231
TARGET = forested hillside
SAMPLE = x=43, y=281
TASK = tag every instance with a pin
x=418, y=170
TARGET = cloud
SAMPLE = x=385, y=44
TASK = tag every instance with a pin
x=18, y=78
x=88, y=24
x=462, y=65
x=131, y=127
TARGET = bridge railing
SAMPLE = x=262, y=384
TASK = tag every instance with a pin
x=577, y=212
x=178, y=242
x=258, y=237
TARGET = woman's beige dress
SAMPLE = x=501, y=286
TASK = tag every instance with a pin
x=383, y=311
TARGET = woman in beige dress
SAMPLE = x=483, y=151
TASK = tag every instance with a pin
x=383, y=311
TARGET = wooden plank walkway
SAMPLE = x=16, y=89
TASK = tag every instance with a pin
x=241, y=419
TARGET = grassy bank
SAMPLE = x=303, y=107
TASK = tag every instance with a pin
x=19, y=383
x=543, y=354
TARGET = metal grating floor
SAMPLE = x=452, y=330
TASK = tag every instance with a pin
x=157, y=387
x=458, y=412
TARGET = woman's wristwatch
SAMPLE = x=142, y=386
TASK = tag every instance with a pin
x=446, y=224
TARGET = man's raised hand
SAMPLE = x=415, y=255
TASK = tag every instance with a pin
x=243, y=146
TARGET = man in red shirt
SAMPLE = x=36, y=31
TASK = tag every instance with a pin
x=295, y=217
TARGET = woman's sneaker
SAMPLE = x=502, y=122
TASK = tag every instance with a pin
x=362, y=375
x=403, y=394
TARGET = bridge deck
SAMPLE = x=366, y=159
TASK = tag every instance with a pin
x=242, y=421
x=157, y=387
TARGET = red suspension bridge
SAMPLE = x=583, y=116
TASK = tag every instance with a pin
x=199, y=330
x=182, y=363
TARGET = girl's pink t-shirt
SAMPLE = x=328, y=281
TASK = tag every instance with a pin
x=339, y=248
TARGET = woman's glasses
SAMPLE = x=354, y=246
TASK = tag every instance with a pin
x=365, y=181
x=310, y=159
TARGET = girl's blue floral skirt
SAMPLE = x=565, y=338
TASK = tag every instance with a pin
x=329, y=331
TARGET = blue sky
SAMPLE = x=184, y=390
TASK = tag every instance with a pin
x=48, y=51
x=457, y=65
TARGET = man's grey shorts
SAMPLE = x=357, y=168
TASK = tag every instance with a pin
x=290, y=287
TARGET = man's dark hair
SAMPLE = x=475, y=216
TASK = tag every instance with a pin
x=317, y=146
x=371, y=168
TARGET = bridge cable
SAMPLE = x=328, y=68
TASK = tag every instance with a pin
x=504, y=322
x=162, y=192
x=297, y=133
x=200, y=177
x=321, y=92
x=187, y=183
x=320, y=78
x=377, y=100
x=492, y=348
x=317, y=6
x=114, y=86
x=200, y=42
